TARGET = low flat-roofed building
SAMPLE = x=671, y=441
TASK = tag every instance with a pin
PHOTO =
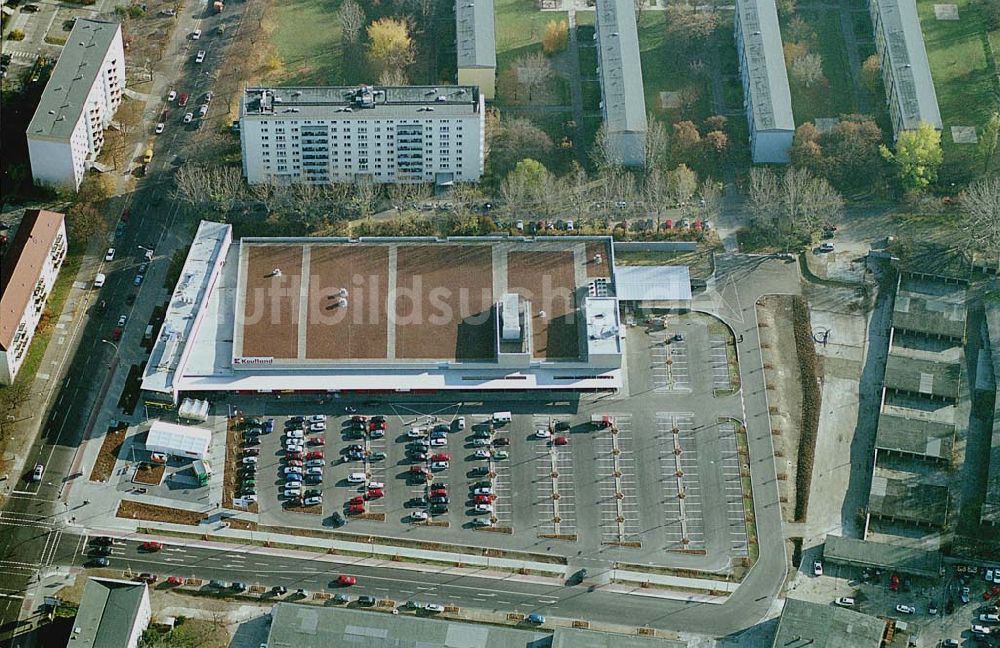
x=623, y=101
x=575, y=638
x=663, y=284
x=906, y=433
x=28, y=271
x=385, y=314
x=310, y=626
x=882, y=555
x=931, y=308
x=921, y=376
x=476, y=45
x=821, y=625
x=907, y=497
x=111, y=613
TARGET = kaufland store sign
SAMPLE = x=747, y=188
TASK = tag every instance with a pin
x=252, y=360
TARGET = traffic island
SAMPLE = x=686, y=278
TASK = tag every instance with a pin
x=151, y=512
x=151, y=474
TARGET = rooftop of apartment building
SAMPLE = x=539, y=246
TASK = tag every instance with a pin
x=908, y=63
x=765, y=65
x=360, y=102
x=620, y=68
x=475, y=35
x=72, y=79
x=22, y=265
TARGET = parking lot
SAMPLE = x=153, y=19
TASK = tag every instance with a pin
x=565, y=474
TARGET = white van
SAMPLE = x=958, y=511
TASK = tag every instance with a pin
x=99, y=280
x=501, y=417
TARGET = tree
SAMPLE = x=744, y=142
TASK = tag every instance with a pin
x=988, y=140
x=786, y=8
x=606, y=156
x=657, y=143
x=807, y=69
x=981, y=225
x=393, y=77
x=390, y=46
x=556, y=37
x=918, y=156
x=711, y=196
x=687, y=27
x=716, y=142
x=801, y=32
x=517, y=137
x=96, y=188
x=533, y=71
x=806, y=149
x=527, y=184
x=763, y=194
x=871, y=73
x=351, y=18
x=129, y=115
x=366, y=195
x=639, y=6
x=686, y=141
x=851, y=149
x=682, y=183
x=85, y=222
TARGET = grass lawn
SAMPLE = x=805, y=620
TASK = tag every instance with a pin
x=663, y=72
x=519, y=29
x=306, y=36
x=965, y=88
x=836, y=96
x=584, y=18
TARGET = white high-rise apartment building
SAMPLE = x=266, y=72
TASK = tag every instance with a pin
x=411, y=134
x=85, y=89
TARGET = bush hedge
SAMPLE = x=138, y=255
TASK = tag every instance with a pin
x=811, y=402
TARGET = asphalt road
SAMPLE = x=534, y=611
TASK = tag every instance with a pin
x=317, y=572
x=31, y=520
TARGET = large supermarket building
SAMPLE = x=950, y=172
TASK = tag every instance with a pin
x=385, y=315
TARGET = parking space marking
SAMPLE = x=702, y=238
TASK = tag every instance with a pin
x=557, y=516
x=720, y=364
x=735, y=515
x=503, y=506
x=619, y=510
x=670, y=371
x=684, y=519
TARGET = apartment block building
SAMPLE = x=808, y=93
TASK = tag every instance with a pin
x=476, y=45
x=766, y=95
x=66, y=132
x=28, y=271
x=623, y=102
x=906, y=71
x=402, y=134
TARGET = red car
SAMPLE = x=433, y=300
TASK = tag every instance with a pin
x=146, y=577
x=317, y=441
x=441, y=457
x=346, y=580
x=315, y=454
x=183, y=99
x=358, y=418
x=297, y=456
x=560, y=440
x=893, y=583
x=151, y=545
x=483, y=499
x=377, y=425
x=116, y=334
x=418, y=470
x=374, y=493
x=175, y=580
x=295, y=463
x=356, y=501
x=355, y=509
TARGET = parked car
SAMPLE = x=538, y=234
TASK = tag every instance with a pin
x=151, y=545
x=905, y=609
x=845, y=601
x=817, y=568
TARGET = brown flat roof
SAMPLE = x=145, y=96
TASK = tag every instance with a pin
x=408, y=299
x=22, y=266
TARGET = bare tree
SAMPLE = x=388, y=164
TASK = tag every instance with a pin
x=366, y=195
x=657, y=143
x=711, y=196
x=764, y=192
x=533, y=72
x=807, y=69
x=682, y=183
x=393, y=77
x=604, y=154
x=129, y=116
x=352, y=20
x=655, y=193
x=981, y=225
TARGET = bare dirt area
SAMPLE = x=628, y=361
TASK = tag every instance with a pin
x=149, y=474
x=153, y=513
x=110, y=447
x=781, y=367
